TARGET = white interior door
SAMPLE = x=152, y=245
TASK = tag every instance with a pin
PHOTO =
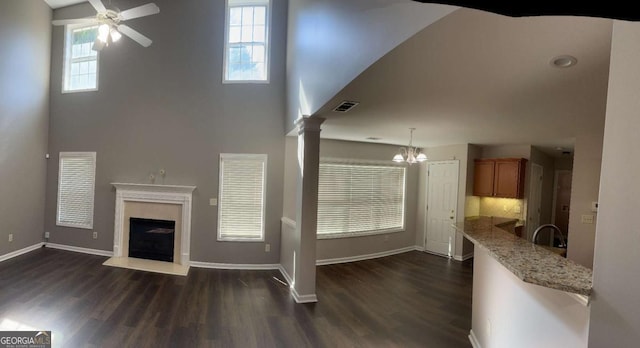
x=534, y=200
x=442, y=204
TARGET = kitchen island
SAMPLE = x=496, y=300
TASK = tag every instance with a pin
x=523, y=294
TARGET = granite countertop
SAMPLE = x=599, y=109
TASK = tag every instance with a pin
x=531, y=263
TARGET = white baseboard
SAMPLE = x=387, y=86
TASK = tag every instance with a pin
x=297, y=297
x=474, y=340
x=79, y=249
x=303, y=298
x=250, y=266
x=419, y=248
x=286, y=275
x=463, y=257
x=13, y=254
x=364, y=257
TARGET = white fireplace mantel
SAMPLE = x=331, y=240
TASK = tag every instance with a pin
x=167, y=194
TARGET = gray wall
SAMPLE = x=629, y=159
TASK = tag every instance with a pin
x=166, y=107
x=615, y=309
x=25, y=41
x=331, y=42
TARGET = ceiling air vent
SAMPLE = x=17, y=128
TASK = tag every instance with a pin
x=345, y=106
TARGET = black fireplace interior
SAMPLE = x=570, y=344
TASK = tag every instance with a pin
x=151, y=239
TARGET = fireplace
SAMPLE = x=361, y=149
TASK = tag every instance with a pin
x=151, y=239
x=163, y=203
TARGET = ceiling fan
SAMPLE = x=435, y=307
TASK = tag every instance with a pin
x=111, y=29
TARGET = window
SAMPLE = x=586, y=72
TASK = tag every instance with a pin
x=360, y=199
x=80, y=60
x=242, y=191
x=246, y=41
x=76, y=183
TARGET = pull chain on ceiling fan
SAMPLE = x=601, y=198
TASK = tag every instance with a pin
x=111, y=28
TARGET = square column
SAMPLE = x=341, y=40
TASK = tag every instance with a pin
x=304, y=268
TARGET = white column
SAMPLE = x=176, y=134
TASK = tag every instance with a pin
x=304, y=268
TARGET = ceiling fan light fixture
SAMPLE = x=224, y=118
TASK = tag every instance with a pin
x=103, y=32
x=115, y=35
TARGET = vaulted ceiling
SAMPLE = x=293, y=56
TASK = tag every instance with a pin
x=482, y=78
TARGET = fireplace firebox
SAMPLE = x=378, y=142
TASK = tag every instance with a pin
x=151, y=239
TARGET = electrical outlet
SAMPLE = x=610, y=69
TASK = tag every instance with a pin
x=267, y=247
x=213, y=201
x=10, y=237
x=516, y=209
x=95, y=235
x=46, y=235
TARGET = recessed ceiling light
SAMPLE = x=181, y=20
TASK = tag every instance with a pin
x=564, y=61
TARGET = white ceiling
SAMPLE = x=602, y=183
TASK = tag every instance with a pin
x=62, y=3
x=480, y=78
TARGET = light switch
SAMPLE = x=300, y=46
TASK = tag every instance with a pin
x=516, y=209
x=587, y=219
x=213, y=201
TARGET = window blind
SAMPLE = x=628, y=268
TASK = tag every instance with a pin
x=76, y=184
x=359, y=199
x=242, y=191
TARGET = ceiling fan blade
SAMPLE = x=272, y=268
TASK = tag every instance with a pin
x=97, y=4
x=140, y=11
x=74, y=21
x=134, y=35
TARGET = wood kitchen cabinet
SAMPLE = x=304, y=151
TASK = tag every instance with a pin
x=499, y=177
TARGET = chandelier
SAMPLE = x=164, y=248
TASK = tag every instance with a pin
x=410, y=154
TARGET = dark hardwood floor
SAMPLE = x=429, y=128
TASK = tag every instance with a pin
x=407, y=300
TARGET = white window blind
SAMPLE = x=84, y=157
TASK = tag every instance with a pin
x=356, y=199
x=242, y=191
x=80, y=60
x=76, y=184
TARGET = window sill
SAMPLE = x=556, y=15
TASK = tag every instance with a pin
x=255, y=82
x=84, y=227
x=79, y=90
x=359, y=234
x=261, y=240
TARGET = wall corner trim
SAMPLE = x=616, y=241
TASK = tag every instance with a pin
x=463, y=257
x=303, y=298
x=79, y=249
x=288, y=222
x=286, y=275
x=20, y=252
x=474, y=340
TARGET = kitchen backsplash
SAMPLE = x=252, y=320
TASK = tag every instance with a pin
x=502, y=207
